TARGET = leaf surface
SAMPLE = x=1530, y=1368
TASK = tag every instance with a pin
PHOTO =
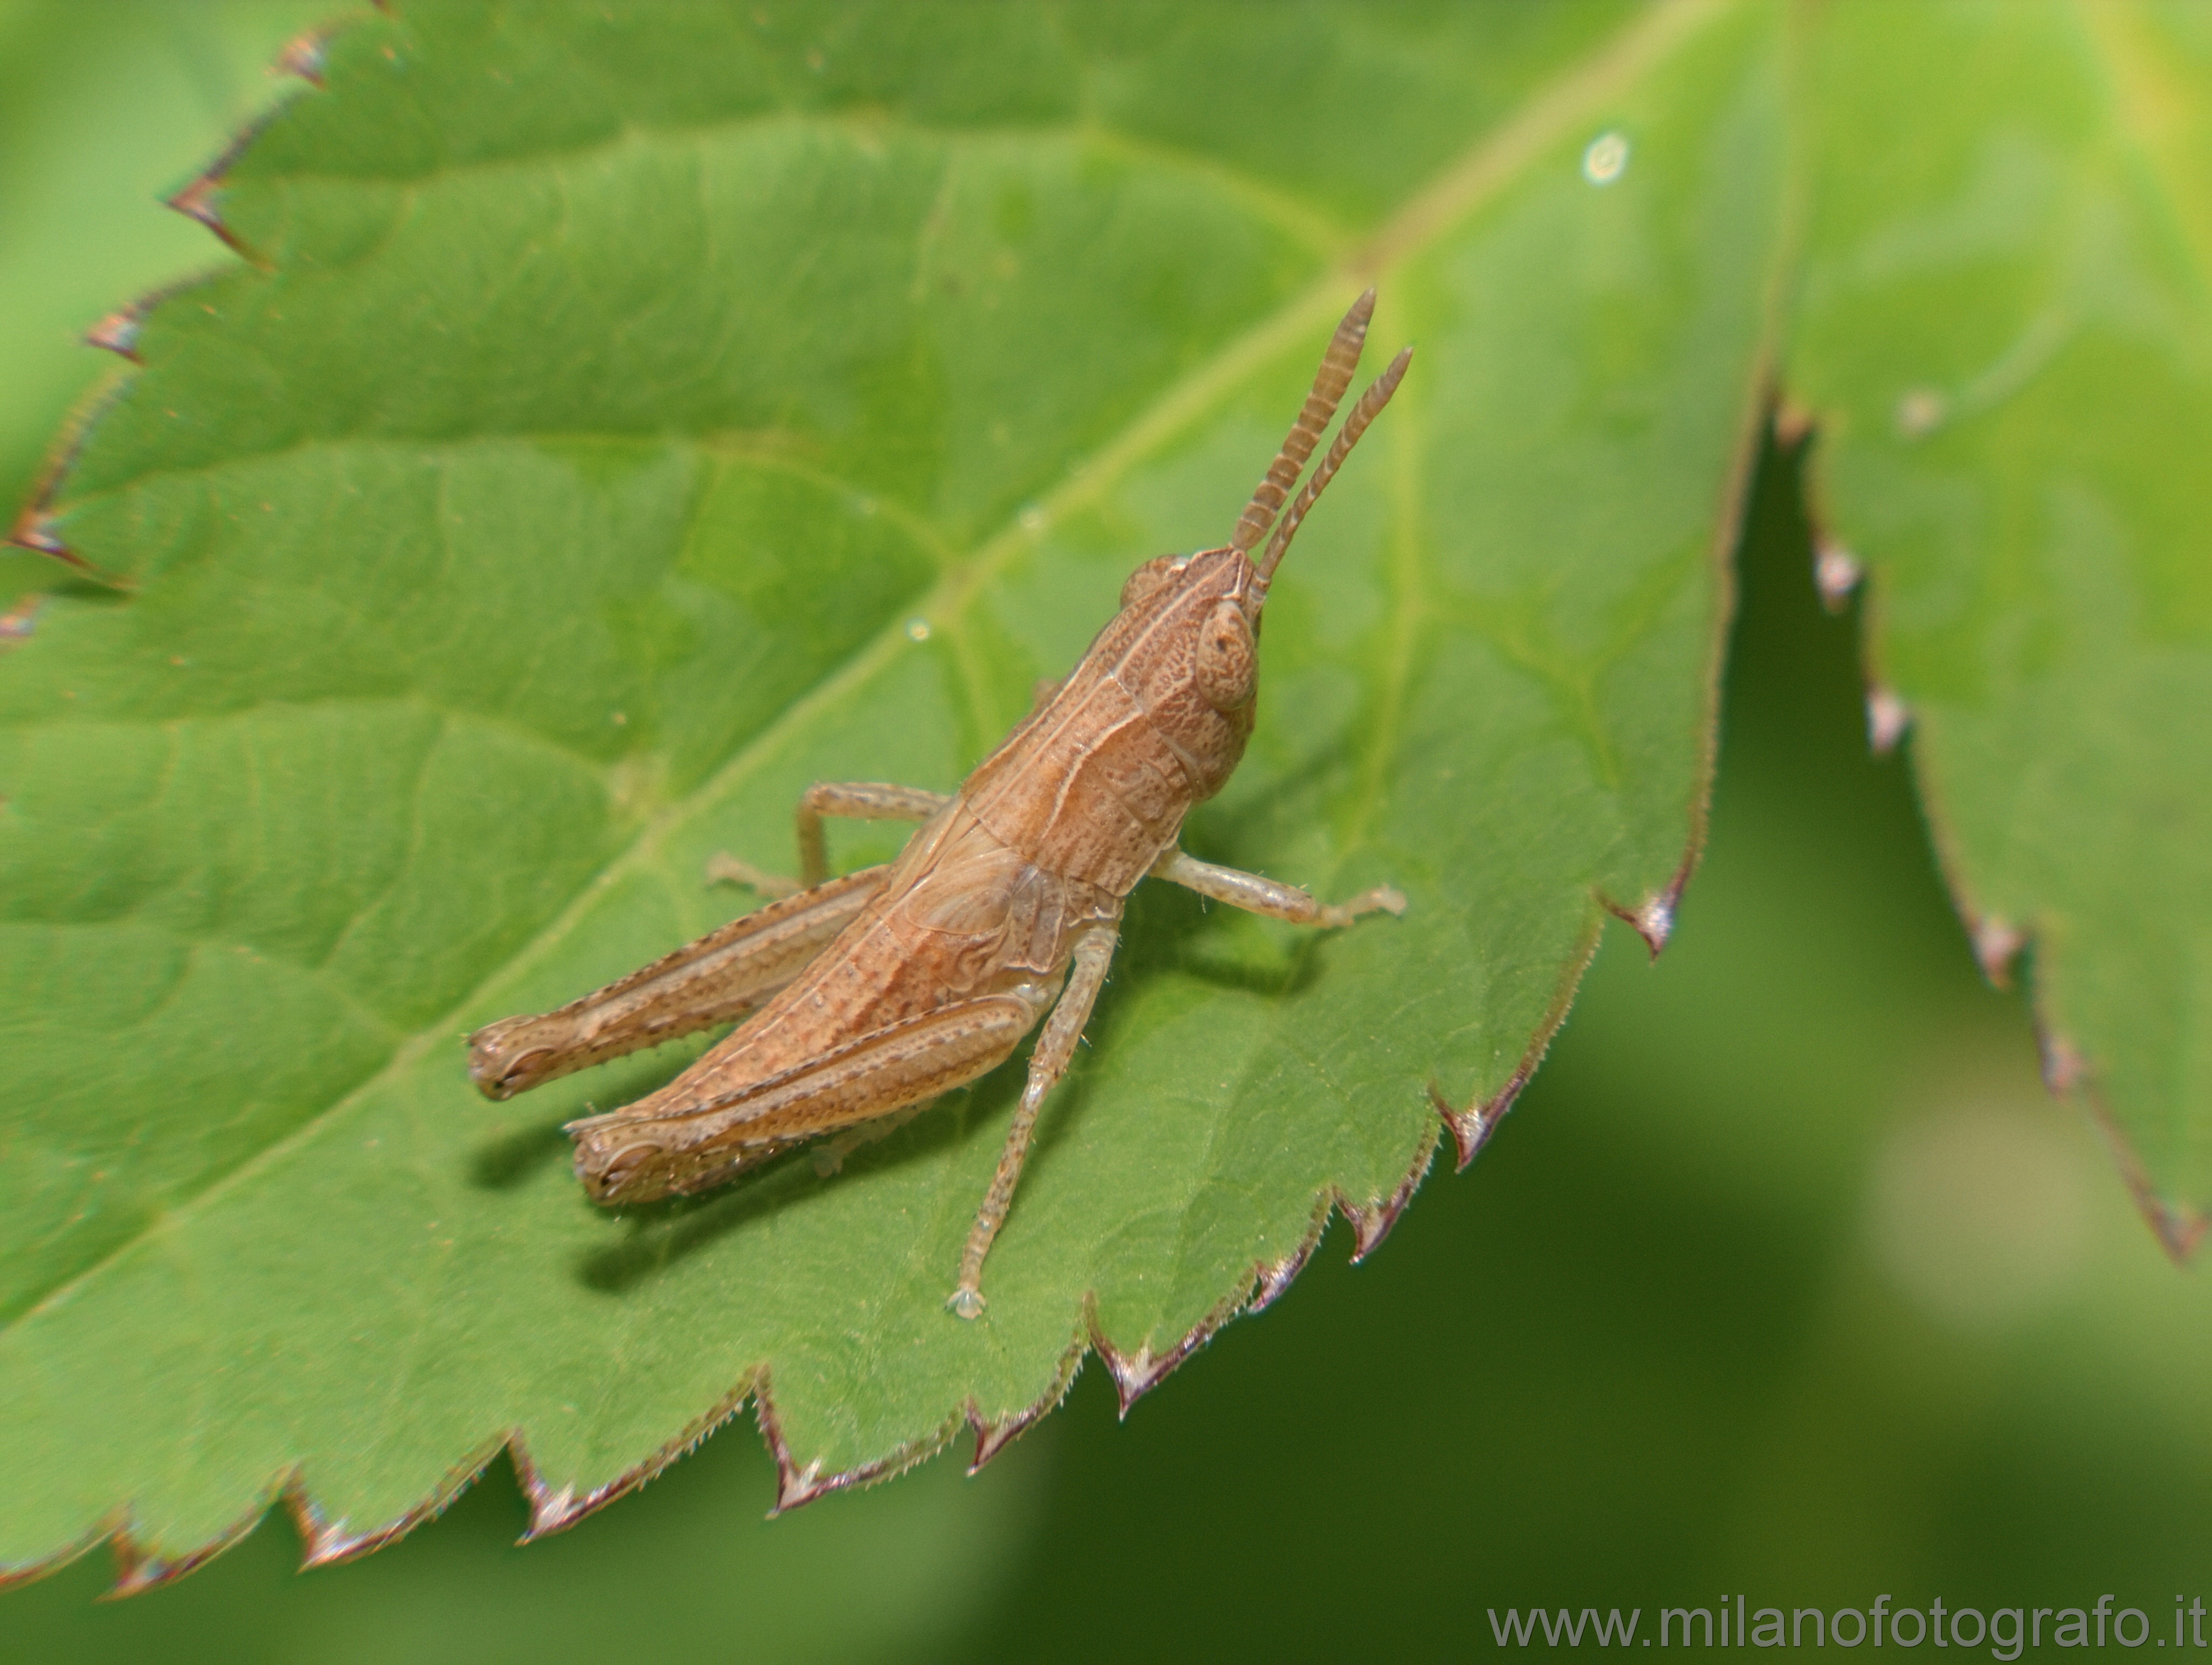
x=2005, y=334
x=618, y=426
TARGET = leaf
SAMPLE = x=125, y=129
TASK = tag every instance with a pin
x=2003, y=334
x=78, y=172
x=619, y=425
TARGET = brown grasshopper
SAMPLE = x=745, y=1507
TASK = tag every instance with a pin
x=867, y=995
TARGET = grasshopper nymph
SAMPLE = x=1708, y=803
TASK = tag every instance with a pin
x=867, y=995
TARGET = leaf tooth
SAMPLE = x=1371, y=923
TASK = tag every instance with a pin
x=1370, y=1224
x=37, y=530
x=556, y=1511
x=802, y=1487
x=117, y=332
x=555, y=1508
x=1272, y=1278
x=1136, y=1374
x=17, y=623
x=303, y=55
x=1888, y=718
x=1471, y=1128
x=1793, y=423
x=1835, y=573
x=1653, y=918
x=326, y=1542
x=1371, y=1221
x=796, y=1485
x=1997, y=944
x=993, y=1437
x=138, y=1569
x=2063, y=1069
x=197, y=199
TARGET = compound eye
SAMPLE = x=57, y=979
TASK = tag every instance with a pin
x=1154, y=576
x=1225, y=659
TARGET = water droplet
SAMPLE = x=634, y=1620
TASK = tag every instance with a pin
x=1921, y=412
x=1888, y=718
x=1606, y=157
x=917, y=630
x=1032, y=518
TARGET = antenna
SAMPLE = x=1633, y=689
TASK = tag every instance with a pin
x=1372, y=402
x=1329, y=383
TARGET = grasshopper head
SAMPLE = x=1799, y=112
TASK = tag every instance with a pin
x=1201, y=614
x=1189, y=625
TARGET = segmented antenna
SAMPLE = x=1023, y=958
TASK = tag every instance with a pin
x=1329, y=383
x=1376, y=396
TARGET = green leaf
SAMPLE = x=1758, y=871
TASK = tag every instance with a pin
x=623, y=423
x=80, y=172
x=2002, y=334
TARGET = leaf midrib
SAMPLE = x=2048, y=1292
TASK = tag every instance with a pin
x=1459, y=189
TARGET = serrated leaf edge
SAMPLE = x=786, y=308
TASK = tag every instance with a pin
x=1999, y=944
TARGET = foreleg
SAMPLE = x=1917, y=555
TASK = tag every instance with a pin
x=1093, y=954
x=1254, y=894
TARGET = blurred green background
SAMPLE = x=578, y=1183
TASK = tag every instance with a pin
x=1784, y=1279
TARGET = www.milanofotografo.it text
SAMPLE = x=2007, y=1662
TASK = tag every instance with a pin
x=1733, y=1622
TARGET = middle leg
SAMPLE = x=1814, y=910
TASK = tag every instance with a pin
x=1255, y=894
x=1049, y=1062
x=854, y=800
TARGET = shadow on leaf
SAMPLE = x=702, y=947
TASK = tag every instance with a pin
x=510, y=1157
x=500, y=1164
